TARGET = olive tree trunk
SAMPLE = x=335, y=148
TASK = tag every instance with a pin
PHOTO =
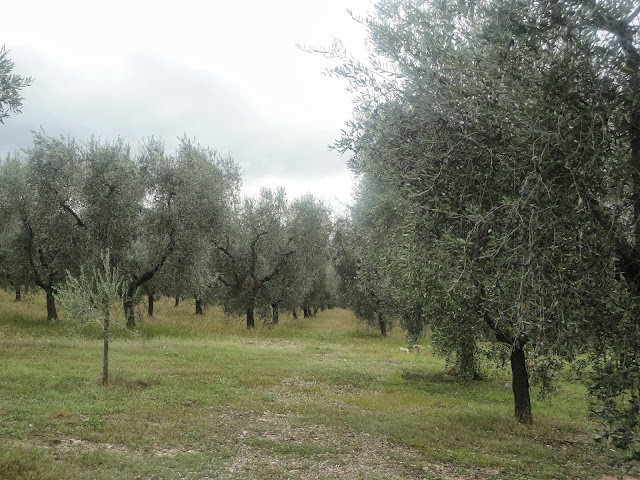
x=382, y=325
x=105, y=356
x=150, y=299
x=251, y=323
x=129, y=312
x=52, y=313
x=520, y=385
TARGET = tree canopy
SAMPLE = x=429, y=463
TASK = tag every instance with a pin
x=496, y=145
x=10, y=86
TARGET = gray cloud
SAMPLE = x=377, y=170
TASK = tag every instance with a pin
x=150, y=96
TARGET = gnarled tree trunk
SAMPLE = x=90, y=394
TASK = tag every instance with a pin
x=52, y=313
x=382, y=325
x=129, y=313
x=150, y=299
x=251, y=323
x=520, y=384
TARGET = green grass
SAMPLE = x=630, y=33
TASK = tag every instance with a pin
x=202, y=397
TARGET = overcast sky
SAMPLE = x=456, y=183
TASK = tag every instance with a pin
x=225, y=72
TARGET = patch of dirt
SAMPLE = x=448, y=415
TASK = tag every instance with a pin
x=270, y=442
x=296, y=390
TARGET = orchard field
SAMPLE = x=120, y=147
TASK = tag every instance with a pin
x=203, y=397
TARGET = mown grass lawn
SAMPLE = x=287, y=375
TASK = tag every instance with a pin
x=199, y=397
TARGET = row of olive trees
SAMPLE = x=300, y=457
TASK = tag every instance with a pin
x=273, y=255
x=173, y=224
x=497, y=146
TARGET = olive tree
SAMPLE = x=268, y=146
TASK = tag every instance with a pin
x=362, y=289
x=10, y=86
x=252, y=250
x=477, y=162
x=89, y=297
x=149, y=207
x=309, y=229
x=71, y=201
x=40, y=193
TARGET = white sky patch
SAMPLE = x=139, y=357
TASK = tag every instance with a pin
x=228, y=73
x=334, y=190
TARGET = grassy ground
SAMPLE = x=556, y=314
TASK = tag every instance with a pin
x=201, y=398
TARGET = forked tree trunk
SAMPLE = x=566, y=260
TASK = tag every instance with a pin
x=105, y=357
x=199, y=307
x=520, y=385
x=18, y=294
x=150, y=298
x=275, y=314
x=52, y=314
x=382, y=325
x=250, y=320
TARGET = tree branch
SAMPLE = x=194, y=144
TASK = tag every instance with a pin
x=278, y=267
x=68, y=209
x=633, y=15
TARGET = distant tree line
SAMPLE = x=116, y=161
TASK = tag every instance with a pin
x=173, y=223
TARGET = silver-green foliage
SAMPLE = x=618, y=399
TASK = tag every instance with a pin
x=90, y=296
x=10, y=86
x=498, y=142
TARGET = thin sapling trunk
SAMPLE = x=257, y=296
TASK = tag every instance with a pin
x=105, y=357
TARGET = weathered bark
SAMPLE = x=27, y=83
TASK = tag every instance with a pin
x=52, y=313
x=150, y=299
x=129, y=313
x=18, y=294
x=199, y=307
x=520, y=384
x=519, y=375
x=275, y=313
x=250, y=320
x=382, y=325
x=177, y=304
x=105, y=357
